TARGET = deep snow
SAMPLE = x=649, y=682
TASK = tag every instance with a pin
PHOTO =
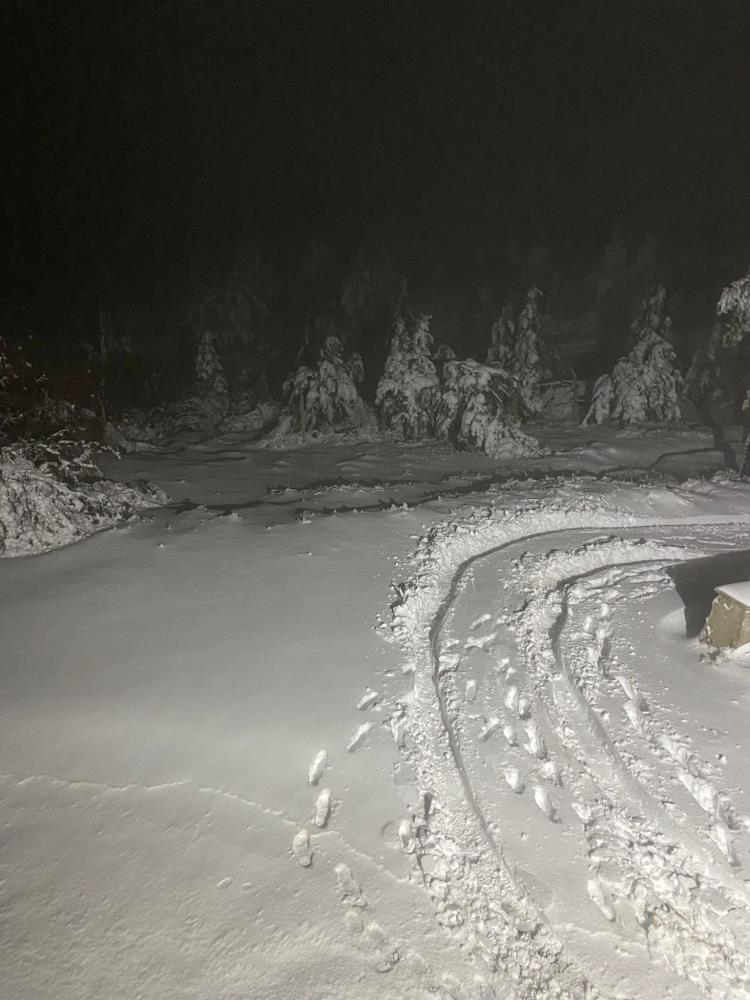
x=237, y=763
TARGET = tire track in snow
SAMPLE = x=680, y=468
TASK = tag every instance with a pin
x=559, y=968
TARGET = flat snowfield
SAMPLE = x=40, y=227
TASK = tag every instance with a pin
x=366, y=722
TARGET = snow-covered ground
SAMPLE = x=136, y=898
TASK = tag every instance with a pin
x=238, y=763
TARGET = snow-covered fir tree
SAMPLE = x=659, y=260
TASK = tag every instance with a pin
x=522, y=349
x=734, y=307
x=323, y=396
x=647, y=383
x=210, y=377
x=502, y=339
x=732, y=324
x=481, y=408
x=409, y=388
x=527, y=365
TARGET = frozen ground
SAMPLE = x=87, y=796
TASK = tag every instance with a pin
x=237, y=763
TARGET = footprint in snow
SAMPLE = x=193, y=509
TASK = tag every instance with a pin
x=535, y=743
x=301, y=848
x=514, y=779
x=511, y=699
x=545, y=803
x=349, y=889
x=359, y=736
x=490, y=727
x=317, y=767
x=601, y=898
x=552, y=771
x=480, y=621
x=510, y=735
x=385, y=955
x=368, y=700
x=322, y=810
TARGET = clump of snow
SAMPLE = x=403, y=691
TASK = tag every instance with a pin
x=324, y=396
x=51, y=494
x=409, y=389
x=647, y=383
x=481, y=407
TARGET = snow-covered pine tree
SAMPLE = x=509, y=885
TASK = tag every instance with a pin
x=323, y=396
x=732, y=323
x=647, y=383
x=481, y=408
x=734, y=307
x=527, y=365
x=210, y=377
x=204, y=409
x=409, y=388
x=502, y=339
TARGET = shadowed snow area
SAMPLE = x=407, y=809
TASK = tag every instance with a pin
x=238, y=763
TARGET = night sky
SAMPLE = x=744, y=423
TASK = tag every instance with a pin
x=143, y=137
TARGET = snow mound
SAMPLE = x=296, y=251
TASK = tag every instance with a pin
x=44, y=503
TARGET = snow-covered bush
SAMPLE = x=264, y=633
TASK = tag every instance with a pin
x=647, y=383
x=52, y=493
x=481, y=408
x=323, y=396
x=409, y=388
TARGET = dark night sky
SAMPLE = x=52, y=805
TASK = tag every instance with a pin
x=143, y=135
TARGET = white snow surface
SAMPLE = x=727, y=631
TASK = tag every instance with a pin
x=219, y=781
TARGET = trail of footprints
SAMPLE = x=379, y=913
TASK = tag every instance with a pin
x=518, y=727
x=367, y=933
